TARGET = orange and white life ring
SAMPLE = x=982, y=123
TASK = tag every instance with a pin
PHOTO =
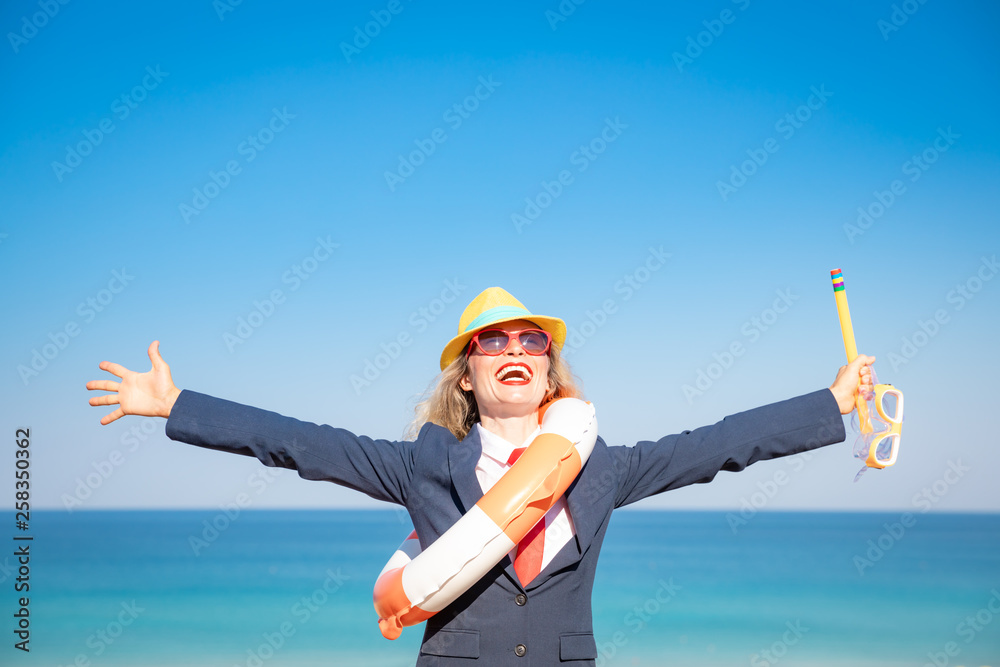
x=415, y=584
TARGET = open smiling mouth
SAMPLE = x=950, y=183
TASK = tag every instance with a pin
x=514, y=373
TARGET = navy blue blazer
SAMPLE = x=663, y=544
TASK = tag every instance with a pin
x=499, y=621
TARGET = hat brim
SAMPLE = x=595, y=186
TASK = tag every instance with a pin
x=456, y=346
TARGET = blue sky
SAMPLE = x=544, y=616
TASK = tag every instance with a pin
x=179, y=164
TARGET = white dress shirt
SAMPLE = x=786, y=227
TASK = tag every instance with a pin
x=559, y=528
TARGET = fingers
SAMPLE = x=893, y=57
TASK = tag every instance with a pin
x=107, y=399
x=113, y=368
x=103, y=385
x=866, y=362
x=154, y=355
x=862, y=360
x=865, y=373
x=860, y=368
x=866, y=388
x=108, y=418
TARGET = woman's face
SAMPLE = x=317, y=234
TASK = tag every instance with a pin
x=510, y=384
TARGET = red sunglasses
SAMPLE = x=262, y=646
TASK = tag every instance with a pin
x=494, y=342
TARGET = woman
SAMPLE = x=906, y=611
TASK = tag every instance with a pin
x=503, y=364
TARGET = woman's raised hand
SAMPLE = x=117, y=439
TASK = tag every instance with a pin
x=851, y=379
x=150, y=394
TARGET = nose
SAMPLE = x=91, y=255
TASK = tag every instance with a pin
x=514, y=347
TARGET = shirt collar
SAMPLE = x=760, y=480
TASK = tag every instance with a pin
x=498, y=448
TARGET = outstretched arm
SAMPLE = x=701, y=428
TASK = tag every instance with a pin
x=379, y=468
x=771, y=431
x=150, y=394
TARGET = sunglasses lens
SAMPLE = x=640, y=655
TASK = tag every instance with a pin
x=533, y=342
x=493, y=342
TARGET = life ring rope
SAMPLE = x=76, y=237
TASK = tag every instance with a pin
x=415, y=584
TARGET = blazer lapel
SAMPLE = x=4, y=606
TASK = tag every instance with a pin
x=587, y=506
x=585, y=499
x=462, y=460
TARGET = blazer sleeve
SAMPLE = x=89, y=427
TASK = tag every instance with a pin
x=379, y=468
x=693, y=457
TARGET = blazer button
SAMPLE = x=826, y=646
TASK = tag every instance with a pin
x=521, y=600
x=520, y=650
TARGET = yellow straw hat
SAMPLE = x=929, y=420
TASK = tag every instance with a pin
x=495, y=305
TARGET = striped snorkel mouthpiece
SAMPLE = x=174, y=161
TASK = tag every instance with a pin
x=838, y=280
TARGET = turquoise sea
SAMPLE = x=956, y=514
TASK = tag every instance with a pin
x=164, y=588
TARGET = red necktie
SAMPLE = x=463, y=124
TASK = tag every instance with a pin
x=528, y=561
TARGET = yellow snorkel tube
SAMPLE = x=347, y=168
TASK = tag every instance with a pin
x=878, y=436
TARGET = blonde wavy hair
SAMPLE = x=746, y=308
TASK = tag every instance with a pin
x=448, y=405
